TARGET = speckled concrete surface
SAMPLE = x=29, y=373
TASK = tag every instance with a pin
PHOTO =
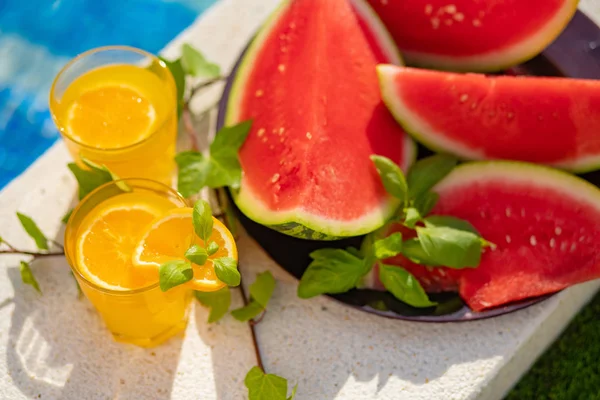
x=55, y=347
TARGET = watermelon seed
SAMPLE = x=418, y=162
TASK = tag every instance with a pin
x=476, y=23
x=435, y=22
x=264, y=139
x=558, y=230
x=464, y=98
x=281, y=130
x=442, y=272
x=581, y=238
x=485, y=303
x=281, y=68
x=271, y=147
x=428, y=9
x=293, y=25
x=308, y=135
x=261, y=132
x=482, y=213
x=552, y=243
x=563, y=246
x=275, y=178
x=448, y=22
x=459, y=17
x=259, y=93
x=573, y=248
x=522, y=212
x=473, y=106
x=510, y=115
x=533, y=240
x=451, y=9
x=507, y=239
x=508, y=211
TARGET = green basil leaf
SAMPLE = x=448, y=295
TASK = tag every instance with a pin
x=425, y=202
x=331, y=271
x=404, y=286
x=27, y=276
x=195, y=64
x=178, y=73
x=388, y=247
x=392, y=177
x=426, y=173
x=196, y=254
x=413, y=250
x=218, y=302
x=193, y=171
x=202, y=219
x=174, y=273
x=262, y=288
x=226, y=270
x=412, y=217
x=450, y=247
x=450, y=222
x=212, y=248
x=246, y=313
x=33, y=231
x=263, y=386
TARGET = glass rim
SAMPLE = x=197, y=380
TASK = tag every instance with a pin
x=69, y=228
x=95, y=50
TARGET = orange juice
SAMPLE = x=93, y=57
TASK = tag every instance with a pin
x=100, y=241
x=117, y=106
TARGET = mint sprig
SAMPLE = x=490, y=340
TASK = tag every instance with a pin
x=260, y=294
x=218, y=302
x=226, y=270
x=219, y=168
x=404, y=286
x=195, y=64
x=33, y=231
x=174, y=273
x=197, y=254
x=27, y=276
x=263, y=386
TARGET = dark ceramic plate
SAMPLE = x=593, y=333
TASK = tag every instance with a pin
x=575, y=54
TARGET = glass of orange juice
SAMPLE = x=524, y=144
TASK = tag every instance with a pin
x=117, y=106
x=101, y=238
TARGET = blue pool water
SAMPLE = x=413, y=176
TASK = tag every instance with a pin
x=37, y=37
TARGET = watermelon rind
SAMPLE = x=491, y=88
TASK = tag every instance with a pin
x=501, y=59
x=422, y=131
x=297, y=222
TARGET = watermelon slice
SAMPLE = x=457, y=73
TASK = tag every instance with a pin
x=317, y=117
x=554, y=121
x=467, y=35
x=544, y=223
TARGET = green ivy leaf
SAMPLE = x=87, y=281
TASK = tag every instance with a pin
x=388, y=247
x=391, y=176
x=196, y=254
x=225, y=169
x=212, y=248
x=178, y=73
x=404, y=286
x=193, y=171
x=426, y=173
x=218, y=302
x=412, y=217
x=202, y=219
x=450, y=247
x=174, y=273
x=450, y=222
x=226, y=270
x=195, y=64
x=425, y=202
x=33, y=231
x=246, y=313
x=262, y=288
x=28, y=278
x=263, y=386
x=331, y=271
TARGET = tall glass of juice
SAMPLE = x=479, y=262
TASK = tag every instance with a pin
x=100, y=240
x=117, y=106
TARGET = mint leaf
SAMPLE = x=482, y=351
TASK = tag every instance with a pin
x=404, y=286
x=392, y=177
x=66, y=217
x=225, y=169
x=202, y=219
x=33, y=231
x=413, y=250
x=230, y=138
x=195, y=64
x=88, y=180
x=331, y=271
x=425, y=202
x=450, y=247
x=27, y=276
x=196, y=254
x=103, y=170
x=412, y=217
x=174, y=273
x=388, y=247
x=226, y=270
x=178, y=73
x=193, y=171
x=426, y=173
x=262, y=288
x=212, y=248
x=263, y=386
x=218, y=302
x=450, y=222
x=246, y=313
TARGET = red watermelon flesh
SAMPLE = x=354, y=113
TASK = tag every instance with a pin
x=468, y=35
x=554, y=121
x=544, y=224
x=310, y=86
